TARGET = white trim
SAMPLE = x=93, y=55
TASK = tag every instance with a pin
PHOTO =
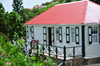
x=50, y=25
x=91, y=57
x=97, y=34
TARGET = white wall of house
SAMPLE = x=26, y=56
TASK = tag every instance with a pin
x=91, y=50
x=38, y=35
x=63, y=43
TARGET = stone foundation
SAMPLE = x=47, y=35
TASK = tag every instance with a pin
x=71, y=62
x=78, y=61
x=91, y=61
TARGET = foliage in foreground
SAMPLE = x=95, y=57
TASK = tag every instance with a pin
x=11, y=24
x=11, y=55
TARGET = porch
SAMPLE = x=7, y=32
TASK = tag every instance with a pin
x=57, y=52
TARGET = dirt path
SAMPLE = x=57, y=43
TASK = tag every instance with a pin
x=93, y=65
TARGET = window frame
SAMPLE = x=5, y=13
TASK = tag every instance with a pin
x=94, y=34
x=57, y=34
x=30, y=32
x=71, y=35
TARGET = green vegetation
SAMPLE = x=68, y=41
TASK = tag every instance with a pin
x=12, y=55
x=17, y=6
x=11, y=24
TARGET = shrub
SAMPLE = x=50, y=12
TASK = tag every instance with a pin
x=11, y=55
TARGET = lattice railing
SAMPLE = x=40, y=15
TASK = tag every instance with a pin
x=59, y=51
x=53, y=50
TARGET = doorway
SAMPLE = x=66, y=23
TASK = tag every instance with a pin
x=49, y=36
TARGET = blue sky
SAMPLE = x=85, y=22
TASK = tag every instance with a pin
x=26, y=3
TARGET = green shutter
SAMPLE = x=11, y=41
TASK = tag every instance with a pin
x=90, y=35
x=27, y=32
x=32, y=30
x=44, y=35
x=60, y=34
x=67, y=35
x=77, y=35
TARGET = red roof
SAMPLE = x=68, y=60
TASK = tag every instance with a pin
x=30, y=8
x=80, y=12
x=37, y=6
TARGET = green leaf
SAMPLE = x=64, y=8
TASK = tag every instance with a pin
x=33, y=58
x=1, y=63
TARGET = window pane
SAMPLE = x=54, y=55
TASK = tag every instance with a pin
x=94, y=38
x=57, y=30
x=73, y=34
x=57, y=36
x=94, y=34
x=57, y=33
x=30, y=32
x=94, y=30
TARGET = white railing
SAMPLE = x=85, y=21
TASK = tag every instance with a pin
x=53, y=50
x=70, y=51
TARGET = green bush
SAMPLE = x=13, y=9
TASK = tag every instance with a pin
x=11, y=55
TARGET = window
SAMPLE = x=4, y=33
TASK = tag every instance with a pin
x=73, y=35
x=94, y=34
x=27, y=33
x=57, y=34
x=30, y=31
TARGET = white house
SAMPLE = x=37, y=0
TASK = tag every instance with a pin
x=69, y=24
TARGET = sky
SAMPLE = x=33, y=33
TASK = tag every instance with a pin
x=7, y=4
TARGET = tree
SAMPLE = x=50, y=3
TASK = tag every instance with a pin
x=96, y=1
x=47, y=3
x=17, y=6
x=2, y=19
x=43, y=4
x=55, y=0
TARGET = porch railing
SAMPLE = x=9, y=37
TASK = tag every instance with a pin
x=60, y=51
x=64, y=52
